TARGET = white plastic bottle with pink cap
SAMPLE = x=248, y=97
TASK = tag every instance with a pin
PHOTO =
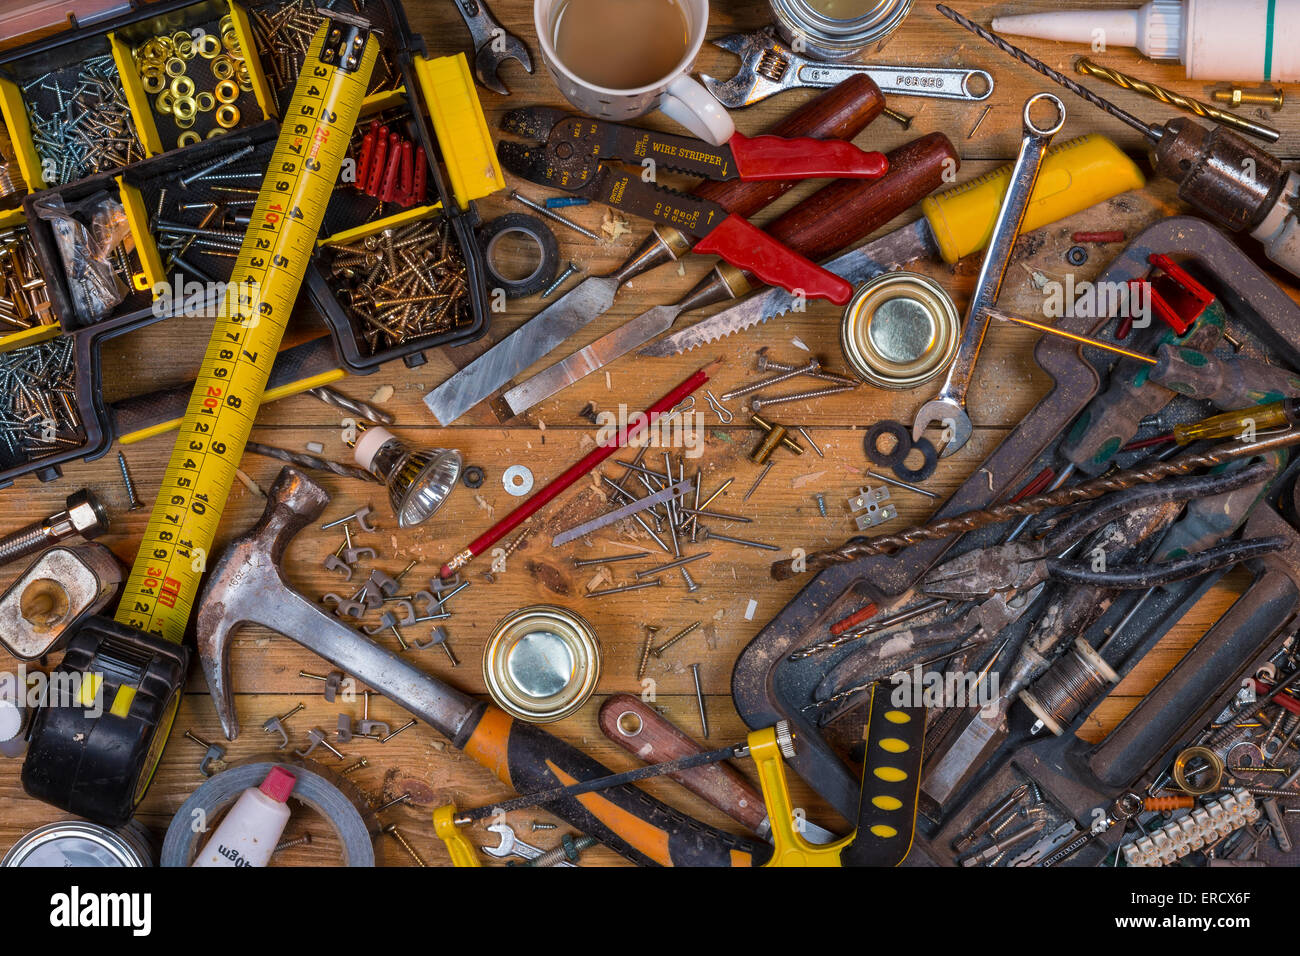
x=251, y=828
x=1244, y=40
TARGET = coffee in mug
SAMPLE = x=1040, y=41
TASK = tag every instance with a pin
x=621, y=44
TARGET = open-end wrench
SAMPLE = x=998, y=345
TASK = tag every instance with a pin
x=948, y=409
x=493, y=45
x=769, y=67
x=511, y=845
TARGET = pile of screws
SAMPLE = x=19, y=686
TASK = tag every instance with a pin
x=38, y=411
x=284, y=34
x=25, y=302
x=403, y=284
x=88, y=129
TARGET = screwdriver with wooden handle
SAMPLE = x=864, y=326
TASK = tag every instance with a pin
x=832, y=219
x=1076, y=175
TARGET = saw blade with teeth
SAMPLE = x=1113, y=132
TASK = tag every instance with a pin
x=891, y=251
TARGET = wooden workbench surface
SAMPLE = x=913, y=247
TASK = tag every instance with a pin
x=1007, y=385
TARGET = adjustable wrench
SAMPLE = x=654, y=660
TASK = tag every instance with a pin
x=493, y=45
x=769, y=67
x=948, y=409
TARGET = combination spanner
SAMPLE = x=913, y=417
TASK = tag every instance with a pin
x=947, y=410
x=769, y=67
x=511, y=845
x=493, y=45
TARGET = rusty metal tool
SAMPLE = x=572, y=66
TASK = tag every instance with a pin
x=246, y=586
x=493, y=45
x=947, y=410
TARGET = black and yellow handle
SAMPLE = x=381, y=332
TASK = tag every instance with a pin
x=891, y=778
x=626, y=819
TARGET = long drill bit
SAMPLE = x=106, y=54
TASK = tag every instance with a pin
x=1152, y=133
x=310, y=461
x=861, y=547
x=1175, y=99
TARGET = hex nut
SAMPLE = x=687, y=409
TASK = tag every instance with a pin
x=86, y=514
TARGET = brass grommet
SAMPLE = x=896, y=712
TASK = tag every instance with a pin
x=227, y=115
x=215, y=132
x=187, y=138
x=184, y=108
x=153, y=81
x=183, y=88
x=227, y=91
x=175, y=66
x=223, y=68
x=183, y=122
x=205, y=101
x=163, y=104
x=209, y=46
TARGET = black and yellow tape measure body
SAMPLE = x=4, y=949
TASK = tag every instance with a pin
x=99, y=765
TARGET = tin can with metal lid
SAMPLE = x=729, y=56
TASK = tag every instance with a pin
x=541, y=663
x=900, y=330
x=81, y=844
x=838, y=30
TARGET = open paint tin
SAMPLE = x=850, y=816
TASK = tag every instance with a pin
x=900, y=330
x=838, y=30
x=77, y=843
x=542, y=663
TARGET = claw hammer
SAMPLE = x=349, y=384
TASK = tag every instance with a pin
x=246, y=587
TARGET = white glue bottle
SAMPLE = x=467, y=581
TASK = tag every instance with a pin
x=1243, y=40
x=251, y=829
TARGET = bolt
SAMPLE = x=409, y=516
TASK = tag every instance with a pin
x=393, y=832
x=83, y=514
x=135, y=503
x=562, y=278
x=689, y=629
x=812, y=366
x=1237, y=96
x=569, y=850
x=821, y=503
x=554, y=217
x=757, y=404
x=766, y=364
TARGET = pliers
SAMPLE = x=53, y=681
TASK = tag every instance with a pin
x=575, y=154
x=1021, y=564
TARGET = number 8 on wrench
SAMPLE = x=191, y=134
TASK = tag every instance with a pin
x=948, y=409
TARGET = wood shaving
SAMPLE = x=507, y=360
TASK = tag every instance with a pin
x=314, y=447
x=482, y=503
x=600, y=577
x=681, y=268
x=250, y=484
x=382, y=394
x=804, y=480
x=608, y=386
x=615, y=225
x=586, y=443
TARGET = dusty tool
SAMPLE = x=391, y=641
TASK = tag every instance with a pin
x=769, y=67
x=841, y=113
x=1035, y=504
x=577, y=156
x=948, y=409
x=246, y=586
x=830, y=220
x=493, y=45
x=60, y=587
x=618, y=514
x=1177, y=100
x=954, y=223
x=1223, y=176
x=1019, y=564
x=82, y=514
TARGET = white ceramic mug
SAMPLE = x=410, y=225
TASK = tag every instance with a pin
x=677, y=95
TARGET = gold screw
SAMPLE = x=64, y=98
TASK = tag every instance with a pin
x=393, y=832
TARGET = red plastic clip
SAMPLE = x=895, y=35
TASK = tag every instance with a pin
x=367, y=151
x=378, y=161
x=1176, y=297
x=419, y=180
x=388, y=191
x=406, y=182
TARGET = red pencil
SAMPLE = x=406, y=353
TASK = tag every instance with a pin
x=552, y=490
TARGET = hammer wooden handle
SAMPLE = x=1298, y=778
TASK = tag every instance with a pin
x=658, y=741
x=840, y=113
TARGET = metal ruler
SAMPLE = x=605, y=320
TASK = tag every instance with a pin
x=268, y=273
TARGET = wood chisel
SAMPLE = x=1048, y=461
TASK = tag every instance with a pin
x=830, y=220
x=841, y=113
x=1075, y=175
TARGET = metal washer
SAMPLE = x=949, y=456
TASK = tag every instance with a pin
x=521, y=487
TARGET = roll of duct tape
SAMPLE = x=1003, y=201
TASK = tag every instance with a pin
x=314, y=789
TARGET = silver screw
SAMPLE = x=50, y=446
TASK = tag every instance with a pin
x=543, y=211
x=135, y=503
x=812, y=366
x=766, y=364
x=757, y=404
x=304, y=840
x=562, y=278
x=821, y=504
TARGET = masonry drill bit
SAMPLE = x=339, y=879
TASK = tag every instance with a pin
x=351, y=405
x=1169, y=97
x=310, y=461
x=861, y=547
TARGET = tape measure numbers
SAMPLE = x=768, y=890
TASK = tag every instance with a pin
x=268, y=273
x=99, y=765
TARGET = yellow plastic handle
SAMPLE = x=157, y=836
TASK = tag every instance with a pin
x=1075, y=175
x=789, y=847
x=461, y=850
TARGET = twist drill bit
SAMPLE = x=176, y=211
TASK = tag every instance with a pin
x=356, y=407
x=310, y=461
x=1169, y=97
x=861, y=547
x=1152, y=133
